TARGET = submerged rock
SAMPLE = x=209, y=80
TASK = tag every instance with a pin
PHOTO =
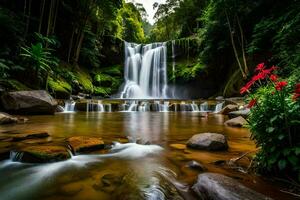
x=219, y=187
x=29, y=102
x=229, y=108
x=25, y=136
x=236, y=122
x=196, y=165
x=85, y=144
x=208, y=141
x=42, y=154
x=7, y=119
x=243, y=113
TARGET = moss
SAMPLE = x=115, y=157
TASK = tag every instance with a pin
x=186, y=71
x=85, y=81
x=59, y=88
x=102, y=91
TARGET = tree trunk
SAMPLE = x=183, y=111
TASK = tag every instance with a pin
x=71, y=45
x=50, y=18
x=234, y=47
x=42, y=14
x=242, y=45
x=55, y=17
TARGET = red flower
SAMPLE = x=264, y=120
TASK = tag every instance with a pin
x=260, y=67
x=252, y=103
x=280, y=85
x=296, y=96
x=273, y=77
x=297, y=88
x=259, y=76
x=243, y=90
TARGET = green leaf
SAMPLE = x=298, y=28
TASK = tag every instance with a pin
x=297, y=151
x=282, y=164
x=281, y=136
x=293, y=160
x=270, y=129
x=273, y=119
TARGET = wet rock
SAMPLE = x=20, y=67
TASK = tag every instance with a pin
x=219, y=187
x=80, y=106
x=178, y=146
x=29, y=102
x=229, y=108
x=42, y=154
x=59, y=109
x=7, y=119
x=85, y=144
x=109, y=182
x=208, y=141
x=25, y=136
x=71, y=189
x=219, y=162
x=242, y=113
x=236, y=122
x=196, y=165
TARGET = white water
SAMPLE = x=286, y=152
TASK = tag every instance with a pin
x=145, y=71
x=219, y=107
x=97, y=106
x=204, y=107
x=69, y=106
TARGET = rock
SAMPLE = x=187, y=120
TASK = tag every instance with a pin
x=25, y=136
x=219, y=187
x=208, y=141
x=109, y=182
x=229, y=108
x=195, y=165
x=59, y=109
x=85, y=144
x=7, y=119
x=178, y=146
x=29, y=102
x=243, y=113
x=219, y=98
x=71, y=189
x=236, y=122
x=42, y=154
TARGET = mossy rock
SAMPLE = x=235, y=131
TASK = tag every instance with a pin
x=60, y=88
x=85, y=82
x=43, y=154
x=85, y=144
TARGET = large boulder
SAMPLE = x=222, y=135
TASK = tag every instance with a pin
x=7, y=119
x=85, y=144
x=236, y=122
x=219, y=187
x=42, y=154
x=29, y=102
x=25, y=136
x=243, y=113
x=208, y=141
x=229, y=108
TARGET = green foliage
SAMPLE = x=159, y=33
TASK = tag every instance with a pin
x=279, y=34
x=14, y=85
x=85, y=82
x=187, y=72
x=59, y=87
x=275, y=123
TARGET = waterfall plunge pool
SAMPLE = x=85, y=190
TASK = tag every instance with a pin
x=130, y=171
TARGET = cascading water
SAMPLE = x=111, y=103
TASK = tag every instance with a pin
x=145, y=71
x=219, y=107
x=69, y=106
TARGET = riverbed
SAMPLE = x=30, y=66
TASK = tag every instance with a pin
x=156, y=168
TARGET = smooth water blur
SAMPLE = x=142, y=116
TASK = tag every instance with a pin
x=128, y=171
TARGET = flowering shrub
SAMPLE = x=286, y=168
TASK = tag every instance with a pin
x=274, y=120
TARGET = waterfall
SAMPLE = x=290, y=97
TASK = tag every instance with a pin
x=195, y=107
x=173, y=67
x=145, y=71
x=100, y=107
x=204, y=106
x=69, y=106
x=219, y=107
